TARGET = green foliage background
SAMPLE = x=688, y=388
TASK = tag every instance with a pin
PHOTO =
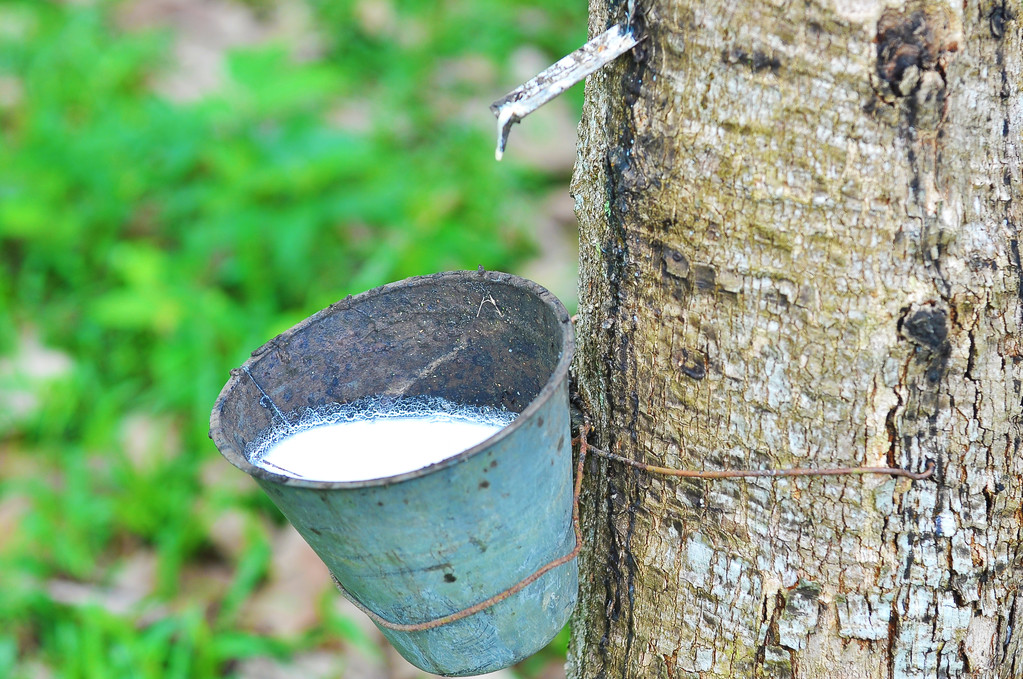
x=158, y=243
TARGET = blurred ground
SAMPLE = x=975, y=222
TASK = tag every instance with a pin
x=206, y=30
x=109, y=551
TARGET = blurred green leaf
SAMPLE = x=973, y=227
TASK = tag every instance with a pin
x=157, y=243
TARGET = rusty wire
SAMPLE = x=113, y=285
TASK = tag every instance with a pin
x=584, y=447
x=743, y=473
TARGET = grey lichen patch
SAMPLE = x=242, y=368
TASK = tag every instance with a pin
x=799, y=619
x=979, y=645
x=777, y=662
x=864, y=617
x=729, y=281
x=929, y=100
x=884, y=497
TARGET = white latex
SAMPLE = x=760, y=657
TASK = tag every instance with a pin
x=358, y=442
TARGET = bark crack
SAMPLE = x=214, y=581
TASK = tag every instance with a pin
x=770, y=634
x=893, y=639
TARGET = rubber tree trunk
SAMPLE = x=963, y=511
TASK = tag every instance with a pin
x=799, y=247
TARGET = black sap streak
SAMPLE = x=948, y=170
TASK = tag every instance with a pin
x=999, y=16
x=921, y=36
x=926, y=326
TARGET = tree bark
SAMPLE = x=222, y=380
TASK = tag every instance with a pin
x=799, y=248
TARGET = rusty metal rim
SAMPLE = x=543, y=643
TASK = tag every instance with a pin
x=560, y=374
